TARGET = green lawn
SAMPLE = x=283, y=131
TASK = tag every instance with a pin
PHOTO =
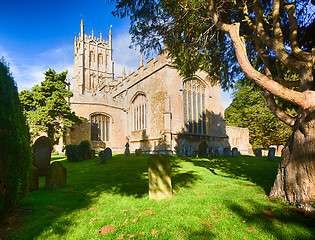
x=222, y=198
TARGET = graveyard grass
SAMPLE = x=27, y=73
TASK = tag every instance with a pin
x=223, y=198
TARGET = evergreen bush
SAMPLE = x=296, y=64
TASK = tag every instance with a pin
x=74, y=153
x=85, y=148
x=202, y=149
x=15, y=152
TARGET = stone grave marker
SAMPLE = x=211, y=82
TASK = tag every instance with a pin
x=258, y=152
x=108, y=153
x=182, y=151
x=138, y=152
x=216, y=153
x=56, y=175
x=271, y=154
x=234, y=152
x=159, y=172
x=42, y=154
x=34, y=182
x=190, y=151
x=127, y=150
x=210, y=152
x=220, y=151
x=227, y=152
x=102, y=157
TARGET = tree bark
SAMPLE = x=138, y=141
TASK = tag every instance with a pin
x=295, y=181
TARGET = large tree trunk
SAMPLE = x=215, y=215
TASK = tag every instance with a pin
x=295, y=181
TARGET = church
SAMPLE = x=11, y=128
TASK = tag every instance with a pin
x=153, y=108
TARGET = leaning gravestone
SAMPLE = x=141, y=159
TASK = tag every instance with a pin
x=279, y=151
x=56, y=175
x=34, y=181
x=127, y=150
x=42, y=154
x=271, y=154
x=258, y=152
x=234, y=152
x=226, y=152
x=159, y=172
x=138, y=152
x=102, y=157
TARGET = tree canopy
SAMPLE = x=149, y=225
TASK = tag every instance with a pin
x=249, y=110
x=46, y=106
x=262, y=39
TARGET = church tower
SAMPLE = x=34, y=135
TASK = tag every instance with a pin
x=93, y=64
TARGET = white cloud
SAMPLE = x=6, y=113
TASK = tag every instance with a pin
x=29, y=71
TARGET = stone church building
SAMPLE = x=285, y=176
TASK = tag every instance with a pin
x=154, y=108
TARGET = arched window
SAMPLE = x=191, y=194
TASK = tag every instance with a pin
x=92, y=57
x=194, y=106
x=100, y=60
x=139, y=112
x=100, y=124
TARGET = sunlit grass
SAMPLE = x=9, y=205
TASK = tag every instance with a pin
x=213, y=199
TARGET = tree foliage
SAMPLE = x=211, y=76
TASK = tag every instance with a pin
x=249, y=110
x=15, y=151
x=46, y=107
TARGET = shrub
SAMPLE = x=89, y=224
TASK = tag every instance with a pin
x=202, y=149
x=73, y=153
x=15, y=152
x=85, y=148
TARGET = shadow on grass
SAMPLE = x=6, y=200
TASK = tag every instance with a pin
x=298, y=224
x=86, y=180
x=257, y=170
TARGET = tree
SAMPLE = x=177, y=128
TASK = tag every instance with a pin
x=249, y=110
x=46, y=107
x=15, y=153
x=202, y=34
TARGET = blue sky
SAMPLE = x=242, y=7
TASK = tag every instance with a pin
x=37, y=35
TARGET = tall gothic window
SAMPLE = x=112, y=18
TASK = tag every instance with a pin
x=100, y=124
x=92, y=57
x=100, y=60
x=194, y=106
x=139, y=112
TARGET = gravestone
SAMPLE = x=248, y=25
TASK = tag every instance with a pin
x=108, y=153
x=34, y=182
x=182, y=150
x=92, y=153
x=138, y=152
x=210, y=152
x=271, y=154
x=258, y=152
x=159, y=172
x=56, y=175
x=42, y=154
x=216, y=153
x=102, y=157
x=127, y=150
x=227, y=152
x=234, y=152
x=220, y=151
x=190, y=151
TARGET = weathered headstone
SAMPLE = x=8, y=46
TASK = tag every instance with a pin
x=42, y=154
x=234, y=152
x=220, y=151
x=271, y=154
x=102, y=157
x=92, y=153
x=279, y=151
x=34, y=182
x=127, y=150
x=210, y=152
x=159, y=172
x=138, y=152
x=56, y=175
x=227, y=152
x=108, y=153
x=182, y=150
x=190, y=150
x=216, y=153
x=258, y=152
